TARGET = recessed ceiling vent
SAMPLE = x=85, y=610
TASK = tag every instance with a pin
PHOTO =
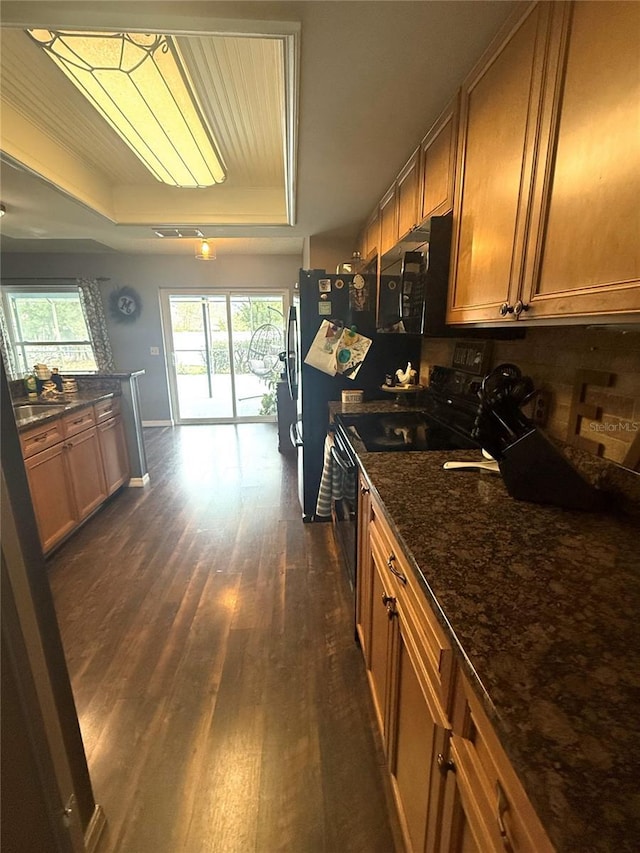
x=178, y=232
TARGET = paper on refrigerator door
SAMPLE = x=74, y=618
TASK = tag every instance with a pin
x=352, y=351
x=322, y=354
x=337, y=350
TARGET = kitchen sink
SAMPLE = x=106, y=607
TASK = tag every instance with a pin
x=32, y=410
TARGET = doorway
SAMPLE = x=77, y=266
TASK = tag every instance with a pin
x=222, y=350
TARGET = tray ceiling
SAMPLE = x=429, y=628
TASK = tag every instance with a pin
x=315, y=106
x=239, y=82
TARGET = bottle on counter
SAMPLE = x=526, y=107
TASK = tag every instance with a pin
x=56, y=378
x=30, y=385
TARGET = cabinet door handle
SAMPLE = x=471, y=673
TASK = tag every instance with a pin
x=505, y=309
x=364, y=490
x=445, y=764
x=393, y=569
x=519, y=307
x=390, y=603
x=503, y=807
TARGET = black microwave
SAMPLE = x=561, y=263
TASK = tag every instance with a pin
x=412, y=297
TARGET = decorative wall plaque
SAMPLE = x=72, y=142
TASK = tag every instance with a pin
x=125, y=305
x=472, y=357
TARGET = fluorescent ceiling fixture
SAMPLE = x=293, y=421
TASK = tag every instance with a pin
x=138, y=84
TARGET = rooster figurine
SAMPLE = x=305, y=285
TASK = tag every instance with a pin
x=406, y=377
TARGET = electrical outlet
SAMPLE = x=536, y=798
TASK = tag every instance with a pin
x=540, y=408
x=154, y=350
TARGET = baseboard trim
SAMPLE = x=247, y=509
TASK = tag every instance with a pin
x=95, y=829
x=138, y=482
x=157, y=423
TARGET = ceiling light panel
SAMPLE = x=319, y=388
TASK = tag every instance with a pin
x=240, y=84
x=174, y=233
x=137, y=84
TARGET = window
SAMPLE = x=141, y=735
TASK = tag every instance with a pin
x=47, y=325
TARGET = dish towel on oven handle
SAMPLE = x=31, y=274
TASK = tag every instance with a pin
x=334, y=484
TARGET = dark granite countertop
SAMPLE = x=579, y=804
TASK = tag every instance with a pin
x=336, y=407
x=542, y=606
x=55, y=408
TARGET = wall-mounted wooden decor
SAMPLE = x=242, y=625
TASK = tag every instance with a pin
x=580, y=409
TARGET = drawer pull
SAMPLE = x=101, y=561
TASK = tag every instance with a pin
x=503, y=806
x=79, y=421
x=393, y=569
x=41, y=438
x=445, y=765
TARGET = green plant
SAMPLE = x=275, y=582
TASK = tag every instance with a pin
x=268, y=404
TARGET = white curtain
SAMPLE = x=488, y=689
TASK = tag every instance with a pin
x=96, y=323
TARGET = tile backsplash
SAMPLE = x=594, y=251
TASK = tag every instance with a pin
x=555, y=357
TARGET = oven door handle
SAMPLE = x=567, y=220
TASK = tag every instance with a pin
x=294, y=435
x=344, y=465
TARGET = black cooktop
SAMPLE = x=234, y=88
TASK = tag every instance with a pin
x=401, y=431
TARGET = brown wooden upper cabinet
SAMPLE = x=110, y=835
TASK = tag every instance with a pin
x=548, y=169
x=499, y=114
x=437, y=164
x=371, y=235
x=585, y=241
x=408, y=195
x=388, y=220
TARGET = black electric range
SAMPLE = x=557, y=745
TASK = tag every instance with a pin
x=400, y=431
x=445, y=420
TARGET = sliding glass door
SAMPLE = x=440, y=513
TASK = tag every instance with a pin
x=223, y=353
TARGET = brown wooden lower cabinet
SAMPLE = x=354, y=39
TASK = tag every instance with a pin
x=419, y=736
x=491, y=807
x=363, y=594
x=51, y=495
x=454, y=787
x=85, y=471
x=80, y=466
x=113, y=451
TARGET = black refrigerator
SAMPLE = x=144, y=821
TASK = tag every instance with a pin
x=349, y=299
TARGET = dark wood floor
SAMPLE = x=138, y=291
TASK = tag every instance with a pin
x=209, y=638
